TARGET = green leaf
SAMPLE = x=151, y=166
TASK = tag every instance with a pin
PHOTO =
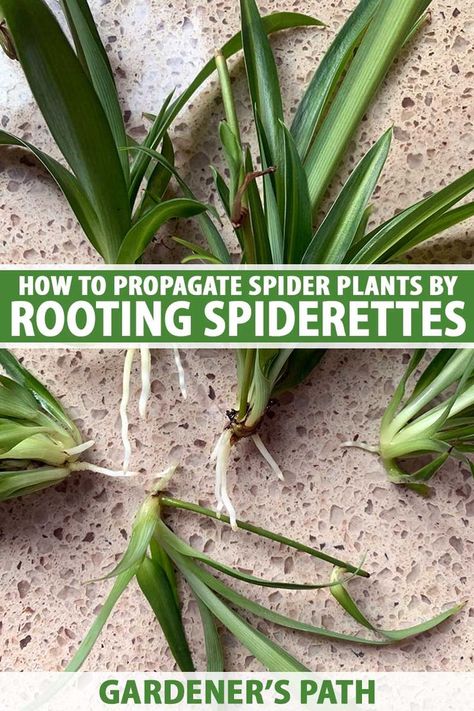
x=90, y=639
x=156, y=587
x=338, y=230
x=22, y=482
x=49, y=403
x=222, y=189
x=161, y=558
x=94, y=60
x=37, y=448
x=228, y=102
x=373, y=247
x=142, y=533
x=12, y=432
x=141, y=234
x=197, y=252
x=84, y=7
x=269, y=364
x=426, y=425
x=457, y=428
x=233, y=156
x=264, y=613
x=67, y=183
x=214, y=650
x=431, y=227
x=159, y=179
x=386, y=34
x=74, y=115
x=262, y=78
x=399, y=393
x=362, y=228
x=344, y=599
x=209, y=230
x=407, y=633
x=444, y=410
x=17, y=401
x=452, y=371
x=271, y=655
x=141, y=161
x=328, y=74
x=257, y=217
x=298, y=226
x=271, y=23
x=429, y=470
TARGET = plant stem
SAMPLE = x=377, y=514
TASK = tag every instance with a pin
x=194, y=508
x=227, y=95
x=233, y=123
x=127, y=370
x=247, y=377
x=145, y=356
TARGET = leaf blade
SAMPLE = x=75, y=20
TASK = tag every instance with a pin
x=265, y=613
x=142, y=533
x=73, y=113
x=47, y=401
x=375, y=245
x=140, y=235
x=297, y=230
x=94, y=58
x=386, y=34
x=262, y=532
x=155, y=585
x=214, y=240
x=346, y=601
x=90, y=639
x=214, y=649
x=262, y=78
x=267, y=652
x=329, y=71
x=339, y=228
x=28, y=481
x=67, y=182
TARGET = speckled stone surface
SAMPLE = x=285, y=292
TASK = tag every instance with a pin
x=421, y=553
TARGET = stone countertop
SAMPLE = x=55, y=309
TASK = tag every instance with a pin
x=420, y=552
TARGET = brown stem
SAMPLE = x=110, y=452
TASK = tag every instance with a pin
x=239, y=211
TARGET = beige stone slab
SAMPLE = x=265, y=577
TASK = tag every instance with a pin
x=421, y=552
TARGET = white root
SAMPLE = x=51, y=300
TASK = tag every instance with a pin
x=127, y=370
x=88, y=467
x=221, y=455
x=181, y=374
x=355, y=444
x=72, y=451
x=145, y=356
x=214, y=456
x=257, y=440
